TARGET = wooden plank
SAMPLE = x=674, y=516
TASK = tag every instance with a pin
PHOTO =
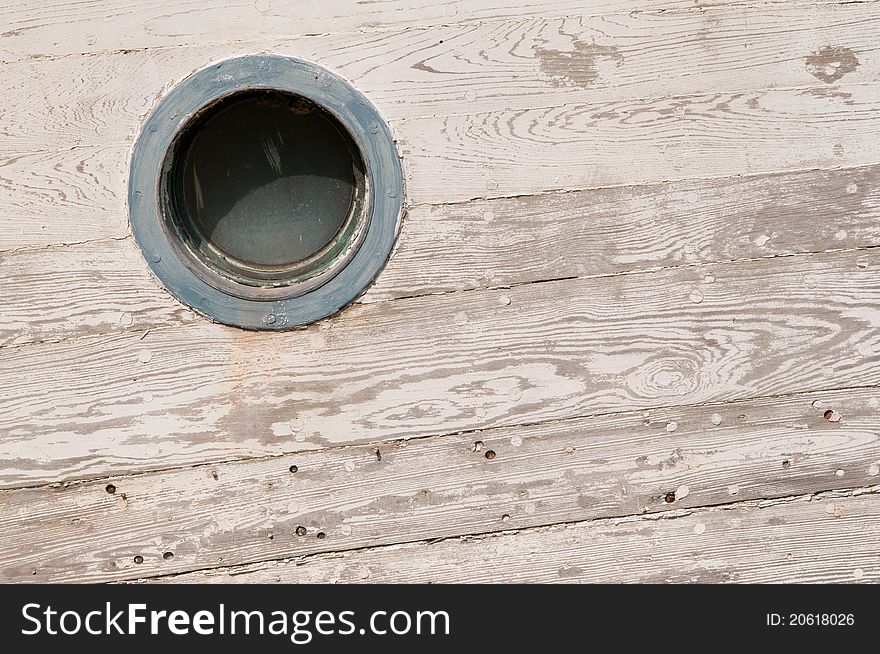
x=78, y=193
x=440, y=364
x=519, y=152
x=483, y=156
x=829, y=538
x=60, y=27
x=440, y=487
x=92, y=288
x=502, y=242
x=105, y=286
x=63, y=197
x=502, y=68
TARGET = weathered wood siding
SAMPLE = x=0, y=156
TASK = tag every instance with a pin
x=638, y=266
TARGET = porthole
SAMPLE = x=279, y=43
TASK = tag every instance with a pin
x=265, y=192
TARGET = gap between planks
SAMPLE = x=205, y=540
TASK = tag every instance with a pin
x=105, y=286
x=555, y=350
x=442, y=487
x=104, y=214
x=700, y=112
x=186, y=315
x=733, y=142
x=476, y=434
x=707, y=546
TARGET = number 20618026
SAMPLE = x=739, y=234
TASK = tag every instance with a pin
x=810, y=620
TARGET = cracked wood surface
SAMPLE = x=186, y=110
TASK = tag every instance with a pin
x=199, y=392
x=703, y=93
x=617, y=214
x=57, y=28
x=509, y=153
x=35, y=29
x=105, y=286
x=614, y=64
x=502, y=63
x=828, y=538
x=439, y=487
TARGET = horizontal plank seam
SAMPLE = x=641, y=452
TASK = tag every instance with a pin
x=415, y=439
x=36, y=248
x=643, y=185
x=514, y=196
x=638, y=271
x=475, y=22
x=511, y=285
x=775, y=172
x=629, y=518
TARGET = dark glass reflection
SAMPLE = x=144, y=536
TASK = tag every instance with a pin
x=268, y=178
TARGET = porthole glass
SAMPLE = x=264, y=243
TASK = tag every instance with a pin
x=265, y=192
x=265, y=186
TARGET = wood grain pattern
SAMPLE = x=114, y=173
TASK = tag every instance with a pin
x=61, y=27
x=709, y=123
x=92, y=288
x=502, y=242
x=520, y=152
x=105, y=286
x=828, y=538
x=458, y=158
x=614, y=65
x=440, y=487
x=65, y=197
x=636, y=297
x=201, y=392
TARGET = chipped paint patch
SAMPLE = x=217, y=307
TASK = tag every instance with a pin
x=581, y=66
x=831, y=63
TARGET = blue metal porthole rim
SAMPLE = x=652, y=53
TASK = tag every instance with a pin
x=371, y=136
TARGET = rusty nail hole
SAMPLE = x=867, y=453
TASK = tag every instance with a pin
x=293, y=468
x=110, y=488
x=300, y=531
x=786, y=464
x=168, y=556
x=490, y=454
x=828, y=414
x=138, y=559
x=670, y=498
x=321, y=535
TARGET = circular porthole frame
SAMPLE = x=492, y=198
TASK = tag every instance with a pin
x=306, y=302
